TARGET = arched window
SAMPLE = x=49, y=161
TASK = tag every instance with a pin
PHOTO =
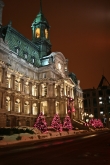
x=8, y=103
x=34, y=90
x=34, y=109
x=37, y=33
x=8, y=81
x=43, y=107
x=44, y=90
x=17, y=84
x=17, y=105
x=26, y=107
x=26, y=88
x=57, y=107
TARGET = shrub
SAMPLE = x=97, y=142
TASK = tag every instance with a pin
x=18, y=138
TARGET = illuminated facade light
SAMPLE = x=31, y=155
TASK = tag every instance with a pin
x=100, y=98
x=100, y=102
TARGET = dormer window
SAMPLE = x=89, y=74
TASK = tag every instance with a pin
x=19, y=42
x=25, y=56
x=17, y=50
x=33, y=60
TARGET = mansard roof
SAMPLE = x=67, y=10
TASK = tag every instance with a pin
x=73, y=77
x=17, y=40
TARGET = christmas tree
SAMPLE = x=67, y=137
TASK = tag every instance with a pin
x=67, y=123
x=41, y=123
x=56, y=123
x=96, y=123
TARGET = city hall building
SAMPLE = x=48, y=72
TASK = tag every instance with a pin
x=33, y=79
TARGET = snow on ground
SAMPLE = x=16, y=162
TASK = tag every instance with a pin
x=23, y=137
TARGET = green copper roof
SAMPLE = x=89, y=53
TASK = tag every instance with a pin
x=25, y=46
x=73, y=77
x=40, y=19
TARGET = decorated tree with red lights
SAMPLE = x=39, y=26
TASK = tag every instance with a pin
x=67, y=123
x=41, y=123
x=96, y=123
x=56, y=123
x=70, y=105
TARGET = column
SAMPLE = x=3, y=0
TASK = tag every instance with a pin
x=30, y=88
x=3, y=100
x=37, y=91
x=64, y=89
x=22, y=85
x=66, y=107
x=40, y=90
x=13, y=103
x=50, y=90
x=22, y=105
x=30, y=103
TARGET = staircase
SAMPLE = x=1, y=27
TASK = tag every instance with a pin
x=79, y=124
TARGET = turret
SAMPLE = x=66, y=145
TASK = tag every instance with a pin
x=40, y=34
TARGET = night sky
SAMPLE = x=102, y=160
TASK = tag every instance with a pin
x=80, y=29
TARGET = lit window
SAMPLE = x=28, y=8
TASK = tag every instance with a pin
x=26, y=107
x=33, y=60
x=44, y=75
x=37, y=33
x=17, y=50
x=100, y=98
x=25, y=55
x=34, y=108
x=46, y=33
x=66, y=68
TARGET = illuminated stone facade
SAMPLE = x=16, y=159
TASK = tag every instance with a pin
x=32, y=78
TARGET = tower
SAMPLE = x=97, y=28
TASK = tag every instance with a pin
x=1, y=8
x=40, y=34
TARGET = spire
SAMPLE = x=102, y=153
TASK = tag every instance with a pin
x=103, y=82
x=40, y=6
x=40, y=33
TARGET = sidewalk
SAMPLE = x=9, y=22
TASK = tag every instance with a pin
x=26, y=137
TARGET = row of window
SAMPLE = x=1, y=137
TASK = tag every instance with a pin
x=18, y=107
x=95, y=103
x=95, y=111
x=25, y=54
x=27, y=109
x=100, y=93
x=26, y=88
